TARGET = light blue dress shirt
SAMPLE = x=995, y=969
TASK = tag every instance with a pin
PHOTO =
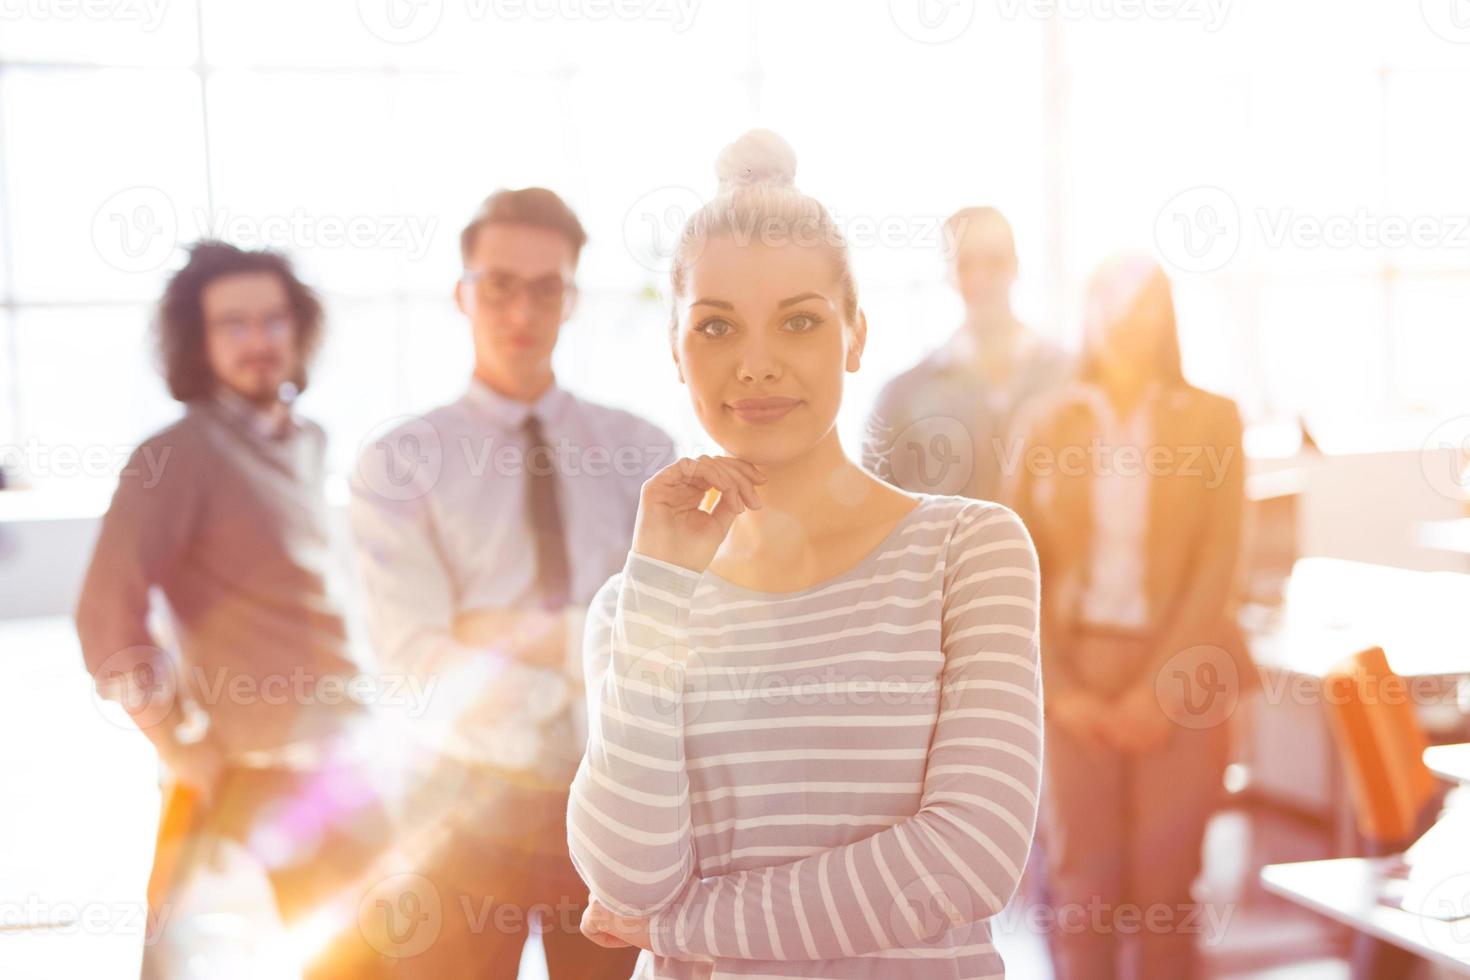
x=441, y=527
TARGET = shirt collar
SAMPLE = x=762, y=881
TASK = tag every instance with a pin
x=258, y=421
x=957, y=351
x=1092, y=395
x=509, y=413
x=961, y=349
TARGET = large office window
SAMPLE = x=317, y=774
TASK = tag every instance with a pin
x=360, y=136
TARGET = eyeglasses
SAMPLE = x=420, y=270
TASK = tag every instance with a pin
x=497, y=288
x=238, y=326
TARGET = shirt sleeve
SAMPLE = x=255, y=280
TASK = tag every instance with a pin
x=410, y=600
x=628, y=822
x=143, y=534
x=962, y=853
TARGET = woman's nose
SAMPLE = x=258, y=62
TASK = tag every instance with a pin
x=757, y=364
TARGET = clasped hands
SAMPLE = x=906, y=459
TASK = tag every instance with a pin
x=1133, y=722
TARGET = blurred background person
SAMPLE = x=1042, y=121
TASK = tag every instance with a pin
x=1132, y=485
x=223, y=513
x=483, y=529
x=970, y=388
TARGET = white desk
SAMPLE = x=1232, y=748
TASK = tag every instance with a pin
x=1333, y=609
x=1447, y=535
x=1451, y=762
x=1346, y=890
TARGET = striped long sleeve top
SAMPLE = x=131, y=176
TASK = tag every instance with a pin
x=835, y=782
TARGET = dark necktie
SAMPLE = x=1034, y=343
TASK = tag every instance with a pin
x=552, y=577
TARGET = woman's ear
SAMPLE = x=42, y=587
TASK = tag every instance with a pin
x=858, y=341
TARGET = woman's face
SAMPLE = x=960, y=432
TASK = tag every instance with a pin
x=1131, y=333
x=762, y=343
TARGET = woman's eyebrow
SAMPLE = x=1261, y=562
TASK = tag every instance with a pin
x=799, y=298
x=713, y=302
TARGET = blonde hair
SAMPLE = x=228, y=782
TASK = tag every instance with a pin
x=757, y=201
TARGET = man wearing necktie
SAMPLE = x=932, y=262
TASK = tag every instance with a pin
x=483, y=529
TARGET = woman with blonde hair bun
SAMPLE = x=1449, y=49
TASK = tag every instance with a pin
x=814, y=705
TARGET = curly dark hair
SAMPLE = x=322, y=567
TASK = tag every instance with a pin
x=179, y=326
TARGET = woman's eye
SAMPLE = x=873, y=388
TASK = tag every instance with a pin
x=802, y=322
x=714, y=328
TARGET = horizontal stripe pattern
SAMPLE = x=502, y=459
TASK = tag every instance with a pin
x=836, y=782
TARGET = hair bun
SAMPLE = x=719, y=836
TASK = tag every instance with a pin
x=758, y=157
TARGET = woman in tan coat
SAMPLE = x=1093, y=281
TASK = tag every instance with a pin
x=1131, y=482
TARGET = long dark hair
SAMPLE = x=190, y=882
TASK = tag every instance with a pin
x=1114, y=286
x=179, y=327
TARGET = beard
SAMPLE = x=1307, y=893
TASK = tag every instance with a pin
x=261, y=383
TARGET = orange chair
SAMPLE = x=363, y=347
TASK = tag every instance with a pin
x=1382, y=746
x=176, y=825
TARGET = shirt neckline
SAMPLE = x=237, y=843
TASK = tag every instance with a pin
x=256, y=421
x=510, y=414
x=877, y=551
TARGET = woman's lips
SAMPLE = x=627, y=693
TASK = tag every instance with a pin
x=763, y=409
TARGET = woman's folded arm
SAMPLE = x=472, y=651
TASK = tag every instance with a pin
x=628, y=823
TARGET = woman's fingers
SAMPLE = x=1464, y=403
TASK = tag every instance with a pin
x=733, y=478
x=736, y=476
x=749, y=469
x=709, y=473
x=697, y=476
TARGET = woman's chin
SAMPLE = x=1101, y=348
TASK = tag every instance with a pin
x=764, y=448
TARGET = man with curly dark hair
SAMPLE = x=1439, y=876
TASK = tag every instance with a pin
x=248, y=699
